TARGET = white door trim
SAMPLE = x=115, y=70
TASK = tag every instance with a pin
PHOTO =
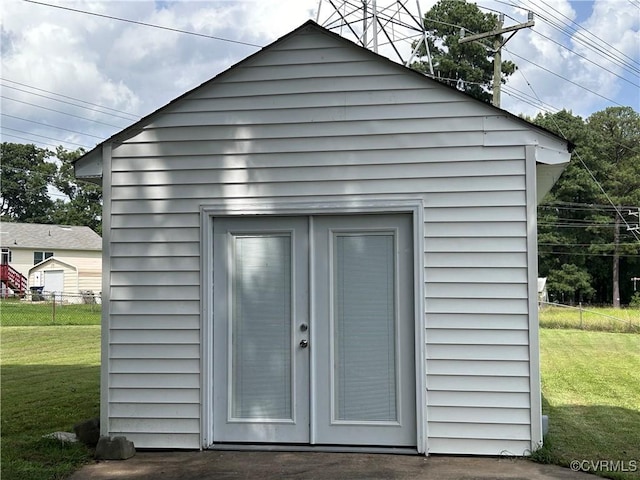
x=347, y=205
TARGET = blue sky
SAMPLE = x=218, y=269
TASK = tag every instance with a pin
x=74, y=79
x=583, y=9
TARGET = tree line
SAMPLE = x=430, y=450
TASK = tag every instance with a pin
x=588, y=235
x=588, y=224
x=37, y=185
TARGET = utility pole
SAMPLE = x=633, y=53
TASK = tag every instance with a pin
x=497, y=48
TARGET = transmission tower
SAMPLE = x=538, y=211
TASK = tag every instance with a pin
x=391, y=28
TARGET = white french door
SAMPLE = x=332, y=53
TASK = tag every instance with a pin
x=261, y=298
x=364, y=331
x=330, y=366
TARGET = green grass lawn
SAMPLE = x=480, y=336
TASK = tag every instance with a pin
x=50, y=381
x=591, y=392
x=24, y=313
x=591, y=318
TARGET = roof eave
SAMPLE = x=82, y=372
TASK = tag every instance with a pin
x=89, y=166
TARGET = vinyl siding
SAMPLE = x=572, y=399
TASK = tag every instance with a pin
x=314, y=119
x=22, y=260
x=89, y=265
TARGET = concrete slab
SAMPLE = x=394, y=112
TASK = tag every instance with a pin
x=209, y=465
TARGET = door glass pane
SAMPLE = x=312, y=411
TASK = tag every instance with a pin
x=364, y=327
x=261, y=327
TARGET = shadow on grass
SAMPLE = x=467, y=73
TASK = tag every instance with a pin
x=41, y=399
x=602, y=437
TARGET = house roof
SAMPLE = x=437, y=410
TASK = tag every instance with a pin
x=52, y=260
x=48, y=237
x=95, y=155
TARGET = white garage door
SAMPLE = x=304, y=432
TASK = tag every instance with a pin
x=54, y=281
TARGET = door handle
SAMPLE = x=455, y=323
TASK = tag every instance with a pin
x=304, y=343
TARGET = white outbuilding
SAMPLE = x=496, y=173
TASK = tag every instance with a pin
x=322, y=248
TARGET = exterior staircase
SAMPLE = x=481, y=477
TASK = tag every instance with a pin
x=13, y=279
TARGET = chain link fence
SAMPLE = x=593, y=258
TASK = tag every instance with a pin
x=557, y=315
x=44, y=308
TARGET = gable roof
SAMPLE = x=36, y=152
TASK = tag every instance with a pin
x=49, y=237
x=95, y=155
x=52, y=260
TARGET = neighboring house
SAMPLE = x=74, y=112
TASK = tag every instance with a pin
x=53, y=258
x=322, y=247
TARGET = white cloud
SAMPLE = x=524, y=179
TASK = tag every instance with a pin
x=570, y=24
x=137, y=69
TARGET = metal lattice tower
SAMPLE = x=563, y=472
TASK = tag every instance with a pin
x=391, y=28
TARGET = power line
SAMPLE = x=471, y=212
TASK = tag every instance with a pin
x=585, y=254
x=177, y=30
x=604, y=53
x=65, y=102
x=611, y=47
x=519, y=95
x=527, y=101
x=51, y=126
x=60, y=111
x=541, y=67
x=597, y=211
x=577, y=221
x=578, y=38
x=576, y=225
x=30, y=140
x=43, y=136
x=587, y=244
x=135, y=117
x=564, y=78
x=498, y=12
x=585, y=58
x=581, y=204
x=575, y=35
x=599, y=51
x=523, y=97
x=577, y=154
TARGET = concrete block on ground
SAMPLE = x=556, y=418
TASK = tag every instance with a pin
x=114, y=448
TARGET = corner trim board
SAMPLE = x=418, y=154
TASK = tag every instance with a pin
x=532, y=271
x=105, y=354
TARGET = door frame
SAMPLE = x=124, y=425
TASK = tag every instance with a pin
x=345, y=206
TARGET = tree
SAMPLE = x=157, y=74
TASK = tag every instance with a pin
x=84, y=204
x=25, y=177
x=563, y=213
x=616, y=146
x=570, y=284
x=471, y=62
x=578, y=223
x=30, y=174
